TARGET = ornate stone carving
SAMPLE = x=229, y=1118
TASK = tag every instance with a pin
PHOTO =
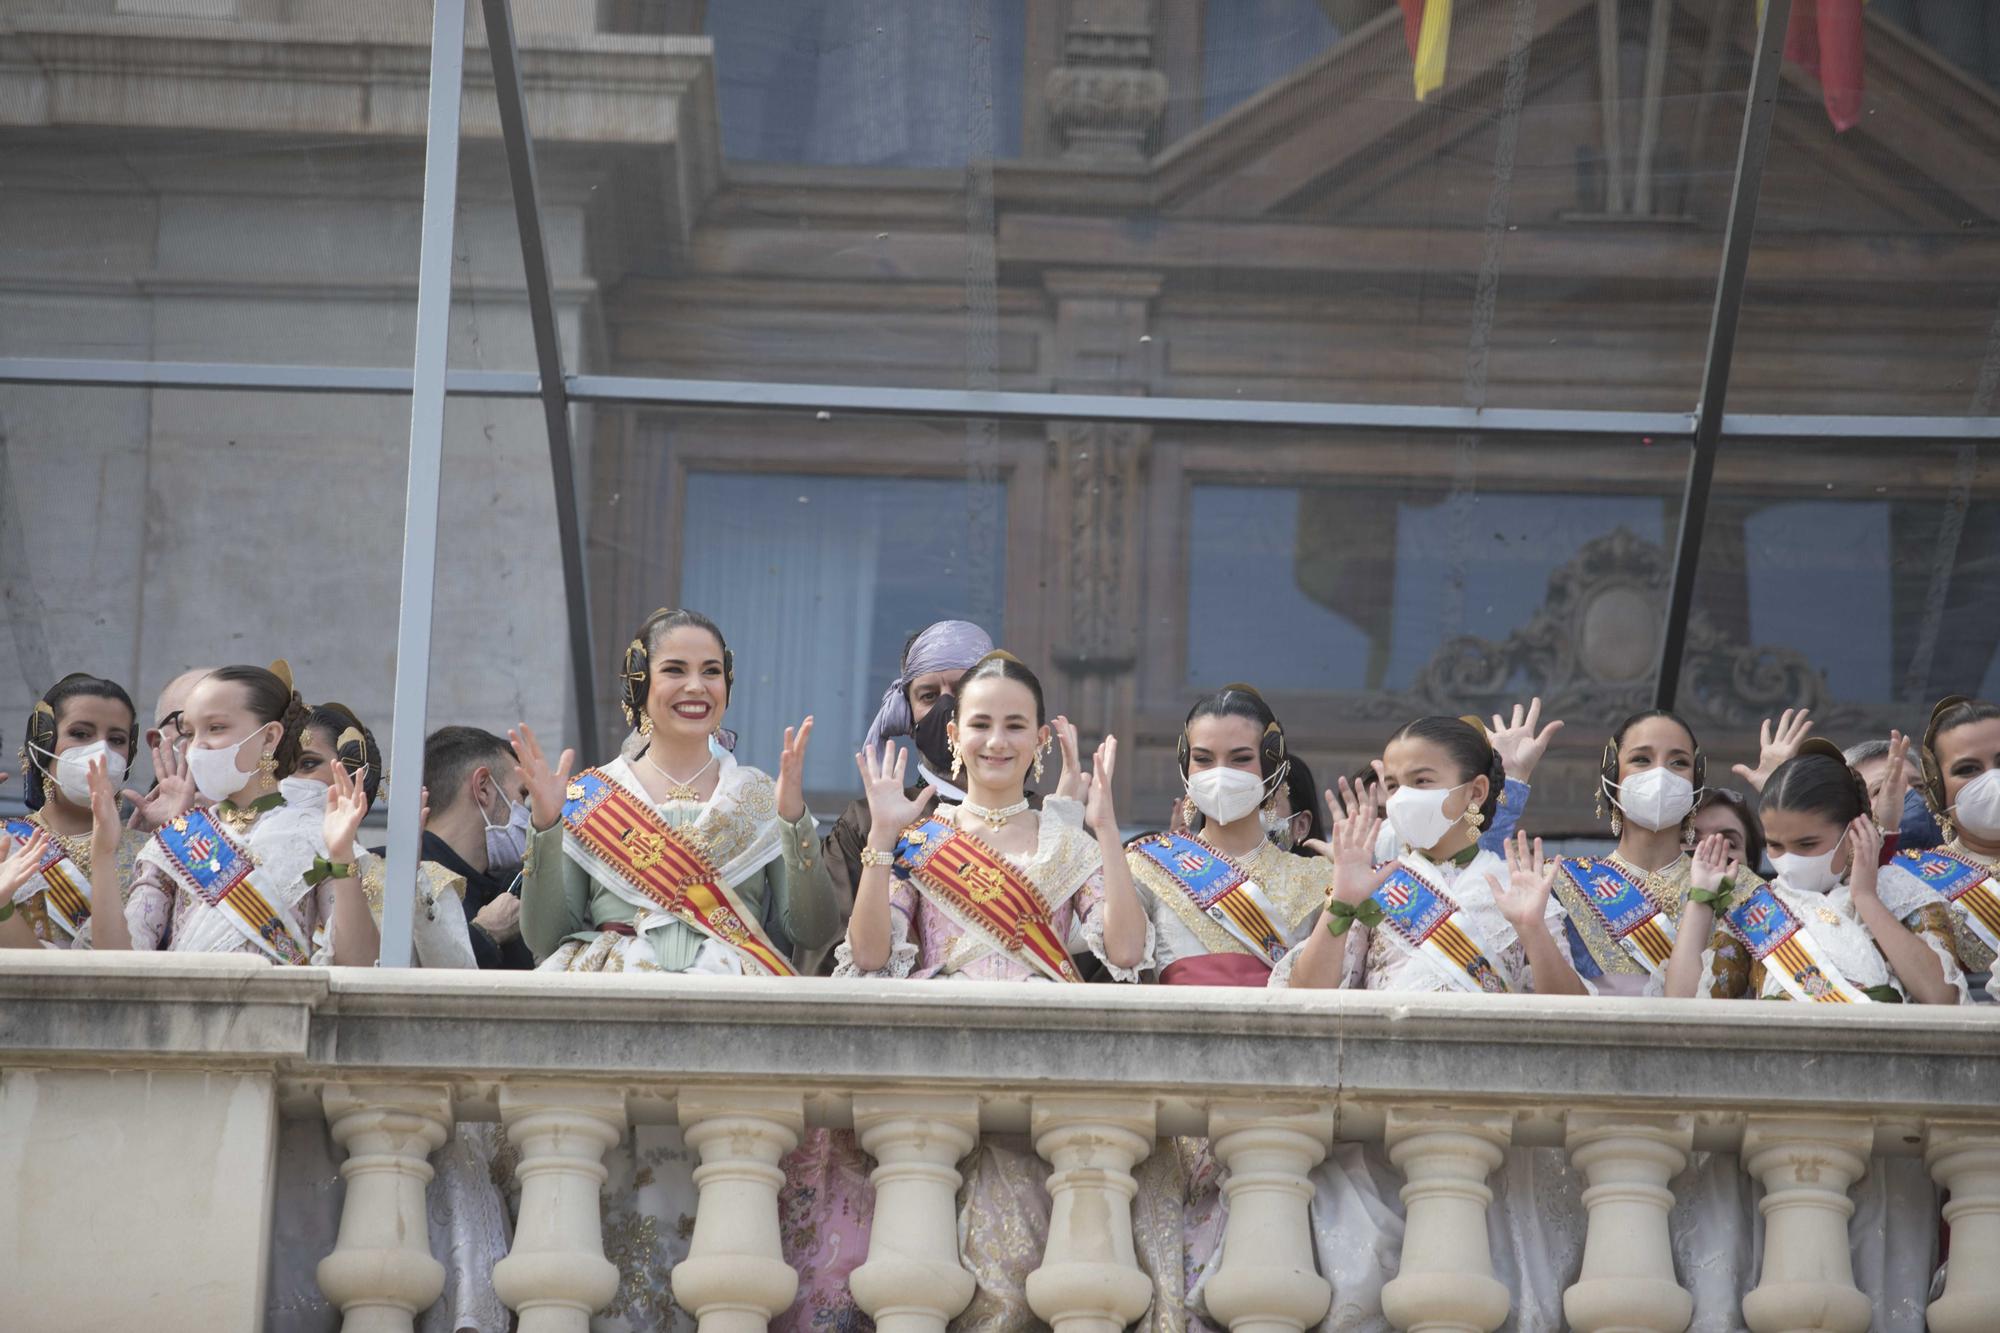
x=1103, y=98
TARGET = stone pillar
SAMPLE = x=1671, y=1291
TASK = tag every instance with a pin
x=1807, y=1166
x=1965, y=1161
x=1105, y=98
x=1446, y=1283
x=1627, y=1284
x=1268, y=1282
x=1089, y=1280
x=556, y=1275
x=735, y=1277
x=913, y=1281
x=381, y=1272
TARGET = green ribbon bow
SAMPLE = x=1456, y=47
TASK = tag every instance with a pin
x=1717, y=897
x=323, y=870
x=1340, y=916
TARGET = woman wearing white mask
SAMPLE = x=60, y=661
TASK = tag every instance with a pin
x=1491, y=926
x=83, y=722
x=1622, y=908
x=230, y=879
x=1961, y=762
x=1835, y=926
x=334, y=737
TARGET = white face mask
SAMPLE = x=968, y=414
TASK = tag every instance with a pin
x=303, y=793
x=1977, y=809
x=1225, y=795
x=72, y=768
x=1808, y=874
x=1417, y=814
x=215, y=773
x=506, y=844
x=1655, y=799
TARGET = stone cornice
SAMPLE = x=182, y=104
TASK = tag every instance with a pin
x=1533, y=1056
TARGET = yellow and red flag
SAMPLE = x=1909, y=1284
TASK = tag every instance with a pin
x=1824, y=38
x=1427, y=27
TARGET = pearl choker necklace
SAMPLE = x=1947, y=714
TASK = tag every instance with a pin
x=995, y=818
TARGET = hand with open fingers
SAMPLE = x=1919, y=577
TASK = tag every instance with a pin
x=1098, y=811
x=1864, y=845
x=346, y=804
x=19, y=863
x=173, y=794
x=1895, y=783
x=1776, y=745
x=1351, y=803
x=792, y=772
x=890, y=809
x=1531, y=878
x=1710, y=865
x=1070, y=785
x=546, y=786
x=105, y=826
x=1351, y=847
x=1522, y=740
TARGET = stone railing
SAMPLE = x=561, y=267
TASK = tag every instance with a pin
x=140, y=1099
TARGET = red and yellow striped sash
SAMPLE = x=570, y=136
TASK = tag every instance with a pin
x=978, y=886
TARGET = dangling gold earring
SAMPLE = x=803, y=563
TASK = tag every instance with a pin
x=957, y=761
x=1617, y=824
x=645, y=724
x=1475, y=818
x=1039, y=756
x=268, y=765
x=1188, y=811
x=1688, y=839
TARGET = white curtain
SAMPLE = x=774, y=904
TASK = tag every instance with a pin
x=797, y=601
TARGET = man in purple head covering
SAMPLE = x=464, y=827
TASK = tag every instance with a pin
x=917, y=704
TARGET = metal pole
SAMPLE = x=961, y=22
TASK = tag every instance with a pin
x=548, y=354
x=420, y=497
x=1750, y=155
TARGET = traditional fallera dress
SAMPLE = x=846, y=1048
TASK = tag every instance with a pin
x=234, y=879
x=1775, y=942
x=1966, y=882
x=56, y=902
x=720, y=887
x=952, y=912
x=1443, y=932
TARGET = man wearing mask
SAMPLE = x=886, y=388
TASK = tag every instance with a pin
x=479, y=829
x=1917, y=830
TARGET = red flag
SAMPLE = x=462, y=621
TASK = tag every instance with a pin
x=1413, y=21
x=1825, y=39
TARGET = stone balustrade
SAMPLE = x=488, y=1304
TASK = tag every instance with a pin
x=140, y=1098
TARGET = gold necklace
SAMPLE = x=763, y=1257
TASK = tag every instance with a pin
x=75, y=846
x=678, y=789
x=1660, y=884
x=994, y=818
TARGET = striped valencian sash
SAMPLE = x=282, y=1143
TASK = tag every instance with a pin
x=1965, y=882
x=1424, y=919
x=979, y=889
x=205, y=861
x=65, y=889
x=1209, y=884
x=1636, y=923
x=1778, y=938
x=668, y=871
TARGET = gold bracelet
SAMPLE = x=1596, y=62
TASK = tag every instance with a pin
x=871, y=857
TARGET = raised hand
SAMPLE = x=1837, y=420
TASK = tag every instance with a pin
x=1070, y=786
x=1530, y=880
x=19, y=863
x=1521, y=740
x=104, y=825
x=173, y=794
x=1895, y=782
x=1353, y=803
x=792, y=772
x=1776, y=745
x=346, y=803
x=1351, y=847
x=1711, y=863
x=890, y=811
x=1864, y=848
x=546, y=785
x=1097, y=808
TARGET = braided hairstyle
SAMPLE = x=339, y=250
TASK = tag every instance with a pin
x=38, y=738
x=354, y=745
x=1465, y=740
x=1239, y=700
x=270, y=697
x=1950, y=714
x=1817, y=781
x=636, y=674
